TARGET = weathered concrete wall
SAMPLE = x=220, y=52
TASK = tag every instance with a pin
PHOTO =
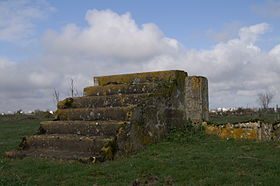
x=248, y=130
x=155, y=116
x=189, y=94
x=196, y=98
x=150, y=123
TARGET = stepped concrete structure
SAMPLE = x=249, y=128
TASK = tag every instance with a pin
x=118, y=116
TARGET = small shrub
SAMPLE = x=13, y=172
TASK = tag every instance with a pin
x=188, y=133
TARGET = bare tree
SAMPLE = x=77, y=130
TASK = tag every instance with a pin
x=73, y=90
x=264, y=99
x=55, y=96
x=72, y=87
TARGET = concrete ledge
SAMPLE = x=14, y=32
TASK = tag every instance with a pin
x=65, y=142
x=121, y=100
x=84, y=114
x=122, y=89
x=86, y=128
x=136, y=78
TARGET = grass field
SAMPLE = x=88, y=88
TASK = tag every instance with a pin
x=183, y=158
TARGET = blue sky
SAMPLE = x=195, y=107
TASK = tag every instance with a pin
x=187, y=21
x=44, y=43
x=193, y=23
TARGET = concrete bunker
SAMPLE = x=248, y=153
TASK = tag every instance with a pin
x=119, y=115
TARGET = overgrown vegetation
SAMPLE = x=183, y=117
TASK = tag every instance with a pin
x=35, y=115
x=186, y=157
x=268, y=117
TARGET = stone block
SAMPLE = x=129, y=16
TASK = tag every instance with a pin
x=122, y=100
x=88, y=114
x=122, y=89
x=83, y=128
x=196, y=98
x=78, y=143
x=136, y=78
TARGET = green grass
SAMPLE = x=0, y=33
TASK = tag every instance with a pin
x=187, y=158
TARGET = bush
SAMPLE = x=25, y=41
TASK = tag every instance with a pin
x=188, y=133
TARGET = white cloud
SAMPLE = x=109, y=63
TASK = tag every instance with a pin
x=113, y=43
x=238, y=68
x=275, y=52
x=250, y=34
x=17, y=18
x=112, y=36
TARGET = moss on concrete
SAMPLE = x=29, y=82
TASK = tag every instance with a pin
x=137, y=78
x=227, y=132
x=65, y=142
x=117, y=100
x=66, y=103
x=83, y=128
x=85, y=114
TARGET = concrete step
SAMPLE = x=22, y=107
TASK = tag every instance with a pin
x=92, y=114
x=75, y=143
x=122, y=89
x=136, y=78
x=104, y=101
x=85, y=128
x=85, y=157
